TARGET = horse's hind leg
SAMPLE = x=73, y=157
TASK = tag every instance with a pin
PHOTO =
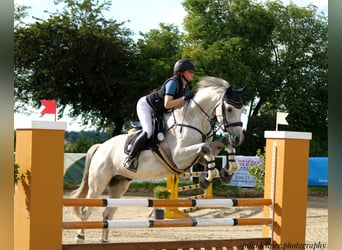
x=116, y=189
x=97, y=184
x=85, y=213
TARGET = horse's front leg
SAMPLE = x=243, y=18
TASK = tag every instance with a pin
x=232, y=166
x=212, y=172
x=185, y=156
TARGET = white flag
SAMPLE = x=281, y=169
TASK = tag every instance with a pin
x=281, y=118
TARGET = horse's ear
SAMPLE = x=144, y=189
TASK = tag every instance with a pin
x=242, y=90
x=229, y=92
x=232, y=96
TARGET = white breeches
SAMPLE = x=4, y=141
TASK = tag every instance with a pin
x=144, y=111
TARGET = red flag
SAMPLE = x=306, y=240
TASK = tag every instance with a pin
x=50, y=106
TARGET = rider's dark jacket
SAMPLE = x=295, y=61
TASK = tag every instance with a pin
x=156, y=98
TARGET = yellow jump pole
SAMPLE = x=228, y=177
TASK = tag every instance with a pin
x=172, y=185
x=286, y=182
x=38, y=199
x=173, y=212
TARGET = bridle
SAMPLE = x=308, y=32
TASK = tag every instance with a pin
x=226, y=124
x=181, y=125
x=212, y=120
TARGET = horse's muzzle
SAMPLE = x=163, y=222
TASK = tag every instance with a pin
x=236, y=140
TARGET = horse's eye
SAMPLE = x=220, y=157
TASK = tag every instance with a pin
x=229, y=109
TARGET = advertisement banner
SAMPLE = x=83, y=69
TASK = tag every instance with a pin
x=318, y=171
x=317, y=176
x=242, y=178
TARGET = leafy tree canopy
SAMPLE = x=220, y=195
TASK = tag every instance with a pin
x=279, y=52
x=158, y=50
x=80, y=59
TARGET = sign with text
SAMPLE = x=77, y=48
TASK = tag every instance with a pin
x=242, y=178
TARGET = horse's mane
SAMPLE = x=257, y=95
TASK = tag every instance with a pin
x=210, y=81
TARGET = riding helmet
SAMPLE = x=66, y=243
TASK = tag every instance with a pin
x=184, y=64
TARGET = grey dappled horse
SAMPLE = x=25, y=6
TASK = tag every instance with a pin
x=188, y=140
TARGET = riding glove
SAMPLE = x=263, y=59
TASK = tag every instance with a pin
x=188, y=96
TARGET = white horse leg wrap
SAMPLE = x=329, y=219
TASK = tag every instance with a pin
x=212, y=174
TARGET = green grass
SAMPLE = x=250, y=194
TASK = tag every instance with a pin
x=146, y=185
x=318, y=191
x=218, y=189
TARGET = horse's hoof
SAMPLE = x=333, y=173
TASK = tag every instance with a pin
x=206, y=149
x=79, y=241
x=225, y=177
x=204, y=183
x=104, y=241
x=80, y=238
x=225, y=140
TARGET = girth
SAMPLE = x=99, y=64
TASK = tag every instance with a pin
x=167, y=162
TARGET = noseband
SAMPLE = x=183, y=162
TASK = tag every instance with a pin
x=226, y=124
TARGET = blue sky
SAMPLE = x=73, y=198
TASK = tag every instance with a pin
x=143, y=15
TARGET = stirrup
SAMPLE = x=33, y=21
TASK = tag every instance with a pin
x=129, y=164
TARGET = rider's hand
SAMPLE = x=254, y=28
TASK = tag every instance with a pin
x=188, y=96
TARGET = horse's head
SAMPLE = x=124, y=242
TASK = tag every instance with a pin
x=231, y=109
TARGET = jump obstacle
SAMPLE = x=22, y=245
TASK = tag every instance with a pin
x=231, y=244
x=166, y=203
x=44, y=142
x=166, y=223
x=82, y=202
x=172, y=184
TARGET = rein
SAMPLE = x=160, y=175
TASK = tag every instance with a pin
x=212, y=121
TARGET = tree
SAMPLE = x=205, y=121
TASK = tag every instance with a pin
x=80, y=59
x=279, y=52
x=157, y=52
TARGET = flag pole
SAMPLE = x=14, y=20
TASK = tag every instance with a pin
x=55, y=109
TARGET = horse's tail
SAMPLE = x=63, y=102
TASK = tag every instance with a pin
x=82, y=190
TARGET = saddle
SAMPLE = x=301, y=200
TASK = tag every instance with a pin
x=159, y=129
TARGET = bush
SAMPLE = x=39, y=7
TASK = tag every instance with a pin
x=16, y=173
x=161, y=192
x=258, y=171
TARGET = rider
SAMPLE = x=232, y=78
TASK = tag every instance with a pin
x=174, y=91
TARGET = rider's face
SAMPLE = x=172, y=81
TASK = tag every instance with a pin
x=189, y=74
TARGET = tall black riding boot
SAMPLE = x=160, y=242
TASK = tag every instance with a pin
x=136, y=148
